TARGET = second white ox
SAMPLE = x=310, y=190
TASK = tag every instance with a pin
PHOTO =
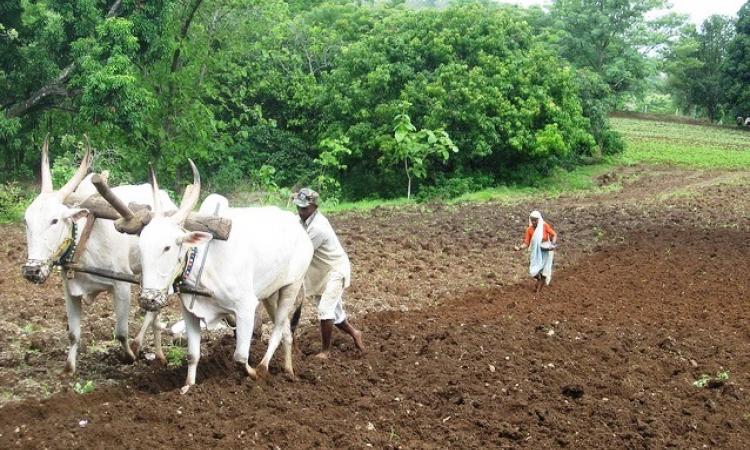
x=264, y=259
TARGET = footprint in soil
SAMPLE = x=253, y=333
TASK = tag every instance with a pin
x=573, y=391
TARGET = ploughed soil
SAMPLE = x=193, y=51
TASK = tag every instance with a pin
x=650, y=294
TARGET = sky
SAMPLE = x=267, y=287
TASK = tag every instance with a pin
x=698, y=10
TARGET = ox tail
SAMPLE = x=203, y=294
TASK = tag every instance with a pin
x=298, y=310
x=295, y=317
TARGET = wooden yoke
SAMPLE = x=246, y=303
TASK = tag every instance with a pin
x=131, y=219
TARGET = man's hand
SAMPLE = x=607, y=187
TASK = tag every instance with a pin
x=516, y=248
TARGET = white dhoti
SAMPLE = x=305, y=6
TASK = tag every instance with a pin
x=330, y=303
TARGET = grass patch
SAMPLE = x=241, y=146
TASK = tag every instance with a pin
x=685, y=145
x=366, y=205
x=175, y=355
x=580, y=180
x=85, y=387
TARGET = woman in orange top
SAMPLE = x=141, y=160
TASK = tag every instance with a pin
x=540, y=238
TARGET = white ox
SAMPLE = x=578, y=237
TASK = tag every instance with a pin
x=49, y=233
x=265, y=258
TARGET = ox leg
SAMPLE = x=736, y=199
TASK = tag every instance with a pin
x=137, y=343
x=244, y=331
x=121, y=293
x=258, y=324
x=193, y=329
x=282, y=329
x=157, y=327
x=269, y=304
x=73, y=310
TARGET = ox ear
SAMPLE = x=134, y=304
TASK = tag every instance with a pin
x=134, y=259
x=195, y=238
x=75, y=214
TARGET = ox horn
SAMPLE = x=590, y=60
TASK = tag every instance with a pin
x=80, y=174
x=46, y=175
x=155, y=191
x=191, y=196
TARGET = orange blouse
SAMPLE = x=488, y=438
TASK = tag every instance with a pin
x=548, y=231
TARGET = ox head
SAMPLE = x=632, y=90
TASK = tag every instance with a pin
x=49, y=221
x=164, y=243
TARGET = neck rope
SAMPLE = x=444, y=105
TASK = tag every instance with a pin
x=66, y=250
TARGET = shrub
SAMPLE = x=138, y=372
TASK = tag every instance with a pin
x=13, y=201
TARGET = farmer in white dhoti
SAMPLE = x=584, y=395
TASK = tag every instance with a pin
x=329, y=273
x=540, y=239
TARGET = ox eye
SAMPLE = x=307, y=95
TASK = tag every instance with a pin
x=166, y=249
x=54, y=221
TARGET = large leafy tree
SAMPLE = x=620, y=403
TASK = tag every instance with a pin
x=266, y=89
x=77, y=66
x=612, y=38
x=737, y=65
x=694, y=65
x=506, y=100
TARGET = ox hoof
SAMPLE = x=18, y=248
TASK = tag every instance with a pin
x=162, y=359
x=68, y=371
x=128, y=358
x=262, y=372
x=184, y=390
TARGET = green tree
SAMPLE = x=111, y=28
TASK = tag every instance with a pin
x=737, y=66
x=414, y=149
x=694, y=65
x=612, y=38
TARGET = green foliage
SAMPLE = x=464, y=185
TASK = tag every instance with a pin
x=413, y=149
x=694, y=65
x=82, y=388
x=612, y=37
x=271, y=95
x=736, y=69
x=446, y=188
x=175, y=355
x=706, y=380
x=13, y=201
x=329, y=164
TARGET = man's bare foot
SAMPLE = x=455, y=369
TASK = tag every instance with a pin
x=322, y=355
x=357, y=336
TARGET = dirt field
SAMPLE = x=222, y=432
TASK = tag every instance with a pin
x=650, y=293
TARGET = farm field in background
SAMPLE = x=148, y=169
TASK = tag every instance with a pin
x=650, y=295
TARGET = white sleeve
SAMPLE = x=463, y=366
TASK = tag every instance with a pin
x=317, y=237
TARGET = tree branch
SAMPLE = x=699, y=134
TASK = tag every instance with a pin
x=183, y=34
x=56, y=87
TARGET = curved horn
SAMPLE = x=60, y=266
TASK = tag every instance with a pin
x=155, y=191
x=191, y=196
x=46, y=175
x=80, y=174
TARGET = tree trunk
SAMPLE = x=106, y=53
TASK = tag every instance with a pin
x=408, y=177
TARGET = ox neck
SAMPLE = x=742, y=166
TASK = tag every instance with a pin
x=64, y=253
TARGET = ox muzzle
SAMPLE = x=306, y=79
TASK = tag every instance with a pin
x=36, y=271
x=153, y=299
